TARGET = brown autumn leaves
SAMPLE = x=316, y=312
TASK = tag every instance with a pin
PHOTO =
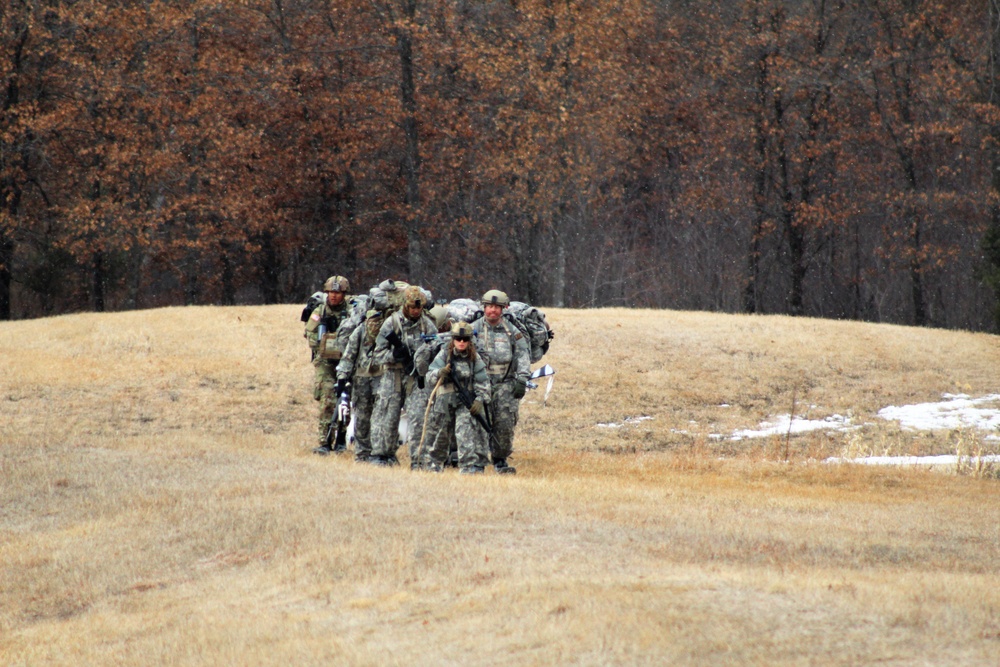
x=828, y=159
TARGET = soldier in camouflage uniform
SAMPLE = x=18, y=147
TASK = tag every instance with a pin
x=442, y=319
x=508, y=364
x=358, y=369
x=398, y=351
x=321, y=332
x=457, y=364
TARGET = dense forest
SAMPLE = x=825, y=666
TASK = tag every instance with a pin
x=832, y=158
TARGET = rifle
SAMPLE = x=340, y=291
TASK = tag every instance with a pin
x=403, y=353
x=468, y=399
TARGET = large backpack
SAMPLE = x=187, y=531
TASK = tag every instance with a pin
x=464, y=310
x=532, y=323
x=312, y=303
x=360, y=305
x=394, y=291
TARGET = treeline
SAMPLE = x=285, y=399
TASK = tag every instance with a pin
x=816, y=157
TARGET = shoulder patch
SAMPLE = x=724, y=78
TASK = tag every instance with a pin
x=315, y=317
x=518, y=336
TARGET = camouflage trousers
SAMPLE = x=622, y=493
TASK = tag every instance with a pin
x=449, y=422
x=363, y=394
x=325, y=391
x=398, y=393
x=503, y=411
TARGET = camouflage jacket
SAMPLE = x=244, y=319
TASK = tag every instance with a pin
x=503, y=350
x=471, y=375
x=328, y=319
x=359, y=355
x=411, y=333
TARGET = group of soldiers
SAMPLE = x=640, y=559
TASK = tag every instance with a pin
x=459, y=383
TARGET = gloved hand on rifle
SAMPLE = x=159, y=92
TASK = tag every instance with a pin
x=520, y=385
x=476, y=408
x=445, y=372
x=342, y=385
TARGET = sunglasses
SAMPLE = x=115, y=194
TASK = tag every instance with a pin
x=461, y=338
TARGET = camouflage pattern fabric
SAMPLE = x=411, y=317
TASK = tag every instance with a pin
x=398, y=392
x=325, y=382
x=449, y=412
x=363, y=397
x=326, y=393
x=505, y=354
x=358, y=366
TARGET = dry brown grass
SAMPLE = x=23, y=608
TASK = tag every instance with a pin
x=159, y=504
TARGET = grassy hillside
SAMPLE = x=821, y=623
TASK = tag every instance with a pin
x=159, y=504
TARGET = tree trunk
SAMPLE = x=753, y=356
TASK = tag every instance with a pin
x=100, y=280
x=411, y=156
x=270, y=267
x=6, y=276
x=991, y=239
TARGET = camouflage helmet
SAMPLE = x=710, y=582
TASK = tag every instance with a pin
x=439, y=313
x=336, y=284
x=461, y=330
x=495, y=297
x=414, y=297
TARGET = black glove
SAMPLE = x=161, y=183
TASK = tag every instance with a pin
x=342, y=385
x=476, y=408
x=517, y=391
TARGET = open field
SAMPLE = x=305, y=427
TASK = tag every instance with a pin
x=159, y=504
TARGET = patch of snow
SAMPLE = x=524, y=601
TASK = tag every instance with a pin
x=956, y=411
x=628, y=421
x=943, y=460
x=784, y=424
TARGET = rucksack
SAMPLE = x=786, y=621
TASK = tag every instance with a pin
x=394, y=291
x=532, y=323
x=358, y=313
x=464, y=310
x=312, y=303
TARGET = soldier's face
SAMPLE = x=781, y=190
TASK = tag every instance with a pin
x=461, y=344
x=412, y=313
x=334, y=299
x=493, y=313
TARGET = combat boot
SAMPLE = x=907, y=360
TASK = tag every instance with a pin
x=322, y=450
x=502, y=467
x=340, y=445
x=471, y=470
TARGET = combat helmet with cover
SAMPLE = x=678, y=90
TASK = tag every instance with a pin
x=496, y=298
x=414, y=297
x=337, y=284
x=442, y=318
x=332, y=284
x=461, y=330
